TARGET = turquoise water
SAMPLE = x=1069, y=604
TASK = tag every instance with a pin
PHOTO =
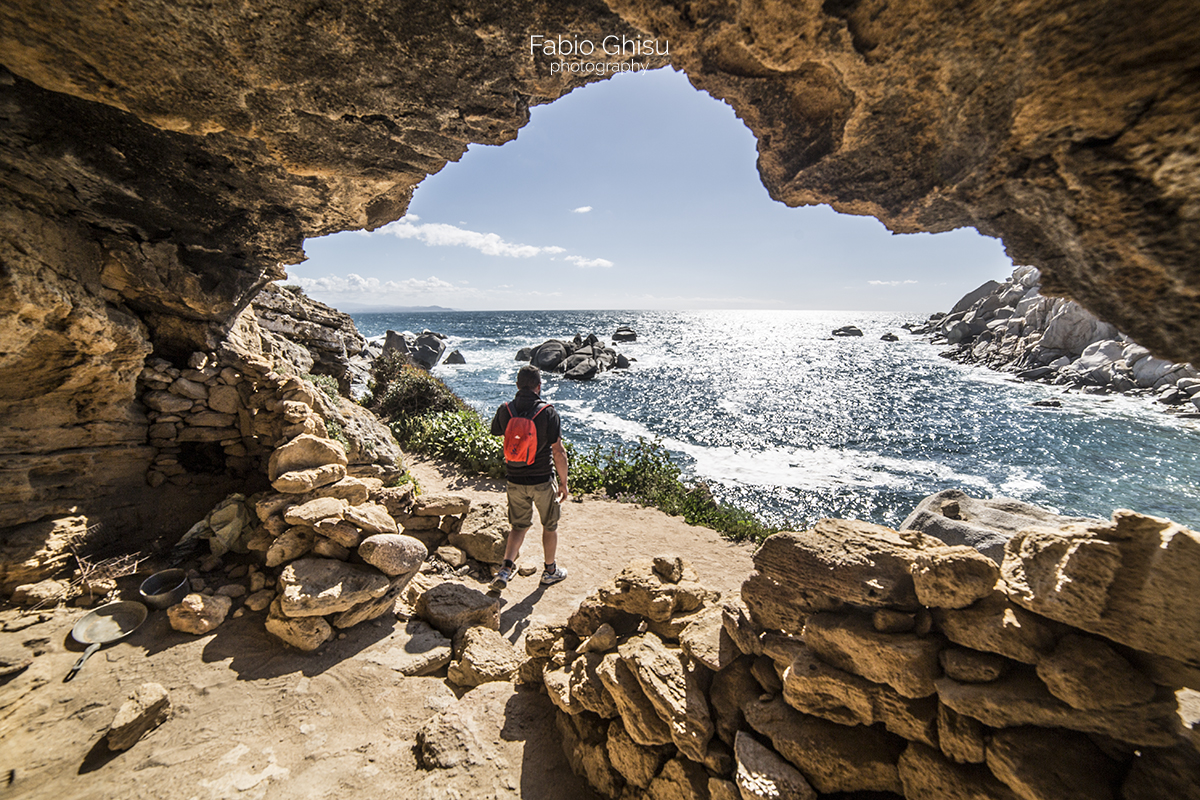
x=779, y=418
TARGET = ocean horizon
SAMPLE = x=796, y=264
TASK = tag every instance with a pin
x=778, y=417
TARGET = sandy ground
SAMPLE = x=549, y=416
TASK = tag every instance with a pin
x=255, y=719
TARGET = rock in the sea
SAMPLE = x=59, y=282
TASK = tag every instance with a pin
x=763, y=773
x=485, y=656
x=450, y=606
x=848, y=330
x=314, y=587
x=303, y=633
x=148, y=707
x=199, y=613
x=624, y=333
x=455, y=357
x=392, y=553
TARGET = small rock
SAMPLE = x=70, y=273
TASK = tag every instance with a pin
x=197, y=584
x=303, y=633
x=327, y=548
x=453, y=556
x=147, y=708
x=440, y=505
x=48, y=591
x=211, y=564
x=486, y=656
x=260, y=599
x=392, y=553
x=525, y=572
x=669, y=568
x=258, y=582
x=603, y=640
x=888, y=620
x=232, y=590
x=199, y=614
x=972, y=666
x=763, y=773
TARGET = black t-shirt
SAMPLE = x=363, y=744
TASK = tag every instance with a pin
x=548, y=432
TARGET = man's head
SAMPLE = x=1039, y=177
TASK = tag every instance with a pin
x=528, y=377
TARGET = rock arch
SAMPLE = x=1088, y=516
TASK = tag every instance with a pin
x=162, y=160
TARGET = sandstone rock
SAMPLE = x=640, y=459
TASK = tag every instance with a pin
x=313, y=587
x=670, y=568
x=464, y=734
x=486, y=656
x=314, y=511
x=343, y=533
x=42, y=593
x=416, y=649
x=887, y=620
x=995, y=625
x=148, y=707
x=1021, y=699
x=374, y=608
x=731, y=688
x=834, y=758
x=1164, y=773
x=587, y=689
x=971, y=666
x=198, y=613
x=679, y=779
x=960, y=738
x=640, y=590
x=1086, y=673
x=260, y=599
x=763, y=773
x=641, y=719
x=439, y=505
x=706, y=640
x=327, y=548
x=371, y=517
x=925, y=773
x=541, y=639
x=224, y=399
x=304, y=633
x=302, y=481
x=13, y=659
x=603, y=640
x=836, y=561
x=584, y=741
x=166, y=402
x=674, y=691
x=1118, y=580
x=637, y=764
x=483, y=533
x=294, y=543
x=953, y=577
x=451, y=555
x=305, y=452
x=450, y=606
x=557, y=681
x=232, y=591
x=396, y=499
x=392, y=553
x=907, y=662
x=744, y=632
x=411, y=524
x=1077, y=770
x=593, y=612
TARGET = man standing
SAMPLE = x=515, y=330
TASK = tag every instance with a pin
x=530, y=480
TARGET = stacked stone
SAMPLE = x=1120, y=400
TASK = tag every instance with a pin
x=859, y=659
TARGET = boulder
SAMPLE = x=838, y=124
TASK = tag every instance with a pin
x=415, y=649
x=549, y=355
x=637, y=764
x=639, y=589
x=1120, y=580
x=485, y=656
x=303, y=633
x=305, y=452
x=673, y=690
x=393, y=553
x=341, y=532
x=640, y=717
x=439, y=505
x=148, y=707
x=763, y=773
x=953, y=577
x=848, y=330
x=483, y=534
x=834, y=758
x=580, y=368
x=624, y=333
x=1019, y=698
x=313, y=587
x=306, y=480
x=455, y=357
x=375, y=607
x=524, y=354
x=199, y=613
x=450, y=606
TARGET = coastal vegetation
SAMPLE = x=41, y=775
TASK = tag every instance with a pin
x=427, y=417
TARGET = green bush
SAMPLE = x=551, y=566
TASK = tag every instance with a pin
x=325, y=383
x=459, y=436
x=408, y=391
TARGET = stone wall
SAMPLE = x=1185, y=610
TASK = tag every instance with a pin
x=860, y=659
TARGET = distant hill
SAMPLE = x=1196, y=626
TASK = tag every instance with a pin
x=358, y=308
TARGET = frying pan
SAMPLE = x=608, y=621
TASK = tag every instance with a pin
x=103, y=625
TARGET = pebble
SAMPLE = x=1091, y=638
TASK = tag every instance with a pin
x=210, y=564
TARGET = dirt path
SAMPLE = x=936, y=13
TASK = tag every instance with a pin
x=255, y=719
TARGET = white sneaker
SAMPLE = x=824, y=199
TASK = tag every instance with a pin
x=500, y=582
x=559, y=574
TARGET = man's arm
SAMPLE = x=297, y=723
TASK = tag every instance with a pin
x=560, y=466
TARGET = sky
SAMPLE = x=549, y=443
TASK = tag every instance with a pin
x=638, y=192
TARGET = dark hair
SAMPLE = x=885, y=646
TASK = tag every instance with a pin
x=528, y=377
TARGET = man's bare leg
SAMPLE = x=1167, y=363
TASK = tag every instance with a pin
x=516, y=538
x=549, y=544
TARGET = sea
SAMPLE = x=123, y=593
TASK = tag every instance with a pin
x=780, y=418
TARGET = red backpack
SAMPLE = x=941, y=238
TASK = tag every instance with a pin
x=520, y=437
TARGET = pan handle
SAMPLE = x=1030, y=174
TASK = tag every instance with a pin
x=79, y=664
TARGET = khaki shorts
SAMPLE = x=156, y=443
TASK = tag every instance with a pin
x=522, y=499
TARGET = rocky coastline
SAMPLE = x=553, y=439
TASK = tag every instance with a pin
x=1012, y=327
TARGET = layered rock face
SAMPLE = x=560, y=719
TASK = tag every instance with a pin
x=862, y=659
x=164, y=160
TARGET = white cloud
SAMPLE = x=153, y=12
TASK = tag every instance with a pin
x=438, y=234
x=585, y=263
x=581, y=210
x=891, y=283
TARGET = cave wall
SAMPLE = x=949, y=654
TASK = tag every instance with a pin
x=164, y=160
